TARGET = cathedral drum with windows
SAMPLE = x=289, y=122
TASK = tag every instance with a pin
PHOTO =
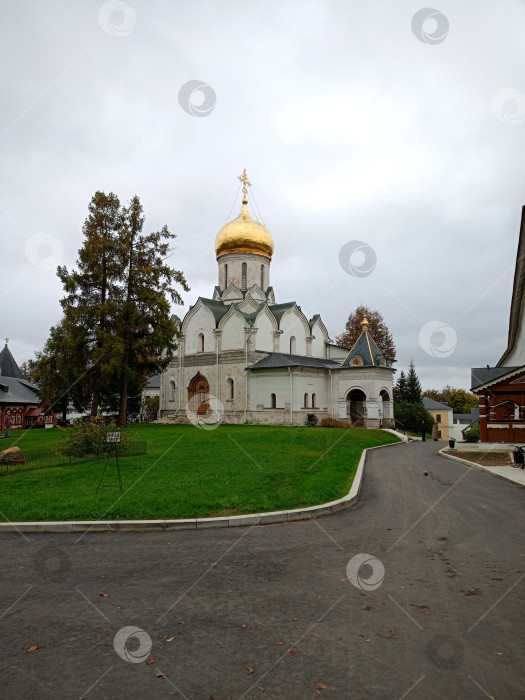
x=265, y=362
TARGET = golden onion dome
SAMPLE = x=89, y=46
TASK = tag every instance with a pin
x=243, y=234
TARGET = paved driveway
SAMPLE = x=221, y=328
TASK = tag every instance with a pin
x=269, y=612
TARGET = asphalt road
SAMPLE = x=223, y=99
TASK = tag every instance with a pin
x=269, y=611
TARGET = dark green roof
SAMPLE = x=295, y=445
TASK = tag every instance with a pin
x=218, y=308
x=281, y=359
x=366, y=350
x=278, y=310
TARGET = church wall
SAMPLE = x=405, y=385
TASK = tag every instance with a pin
x=264, y=337
x=202, y=321
x=232, y=337
x=335, y=353
x=319, y=341
x=292, y=325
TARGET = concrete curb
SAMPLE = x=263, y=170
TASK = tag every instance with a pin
x=478, y=466
x=277, y=516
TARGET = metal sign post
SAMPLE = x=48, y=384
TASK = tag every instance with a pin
x=114, y=439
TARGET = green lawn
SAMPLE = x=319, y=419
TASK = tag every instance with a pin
x=189, y=472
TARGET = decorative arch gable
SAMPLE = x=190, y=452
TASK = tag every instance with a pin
x=233, y=326
x=248, y=305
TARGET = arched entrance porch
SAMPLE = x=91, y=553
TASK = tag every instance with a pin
x=198, y=392
x=356, y=407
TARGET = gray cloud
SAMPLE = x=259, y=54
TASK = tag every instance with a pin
x=350, y=129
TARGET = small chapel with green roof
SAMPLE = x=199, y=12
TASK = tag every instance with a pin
x=258, y=361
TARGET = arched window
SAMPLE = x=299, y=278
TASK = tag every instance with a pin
x=225, y=276
x=231, y=390
x=243, y=282
x=262, y=276
x=274, y=401
x=292, y=345
x=313, y=400
x=306, y=400
x=173, y=390
x=200, y=342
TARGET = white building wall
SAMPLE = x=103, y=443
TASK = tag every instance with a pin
x=202, y=321
x=232, y=337
x=292, y=324
x=319, y=341
x=264, y=336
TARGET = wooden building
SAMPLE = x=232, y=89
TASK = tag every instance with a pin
x=19, y=398
x=501, y=389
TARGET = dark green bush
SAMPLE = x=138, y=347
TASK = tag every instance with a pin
x=87, y=438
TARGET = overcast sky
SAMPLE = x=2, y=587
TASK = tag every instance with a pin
x=384, y=142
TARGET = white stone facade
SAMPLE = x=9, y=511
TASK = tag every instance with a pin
x=267, y=363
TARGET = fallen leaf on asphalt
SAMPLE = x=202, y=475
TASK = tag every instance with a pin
x=32, y=649
x=150, y=661
x=295, y=619
x=248, y=668
x=498, y=653
x=243, y=626
x=160, y=675
x=160, y=635
x=180, y=623
x=367, y=640
x=108, y=644
x=104, y=595
x=292, y=654
x=279, y=643
x=170, y=639
x=259, y=687
x=321, y=686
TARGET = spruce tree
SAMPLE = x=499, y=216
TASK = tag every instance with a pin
x=401, y=386
x=92, y=290
x=147, y=333
x=413, y=387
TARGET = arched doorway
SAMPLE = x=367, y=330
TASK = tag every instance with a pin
x=385, y=409
x=198, y=391
x=355, y=406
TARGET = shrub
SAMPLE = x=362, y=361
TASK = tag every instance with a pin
x=87, y=437
x=410, y=416
x=311, y=419
x=472, y=434
x=332, y=423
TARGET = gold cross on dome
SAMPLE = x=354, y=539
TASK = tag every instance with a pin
x=7, y=341
x=245, y=184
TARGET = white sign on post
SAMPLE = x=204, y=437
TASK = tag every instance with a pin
x=113, y=437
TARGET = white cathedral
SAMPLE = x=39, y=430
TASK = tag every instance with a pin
x=264, y=362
